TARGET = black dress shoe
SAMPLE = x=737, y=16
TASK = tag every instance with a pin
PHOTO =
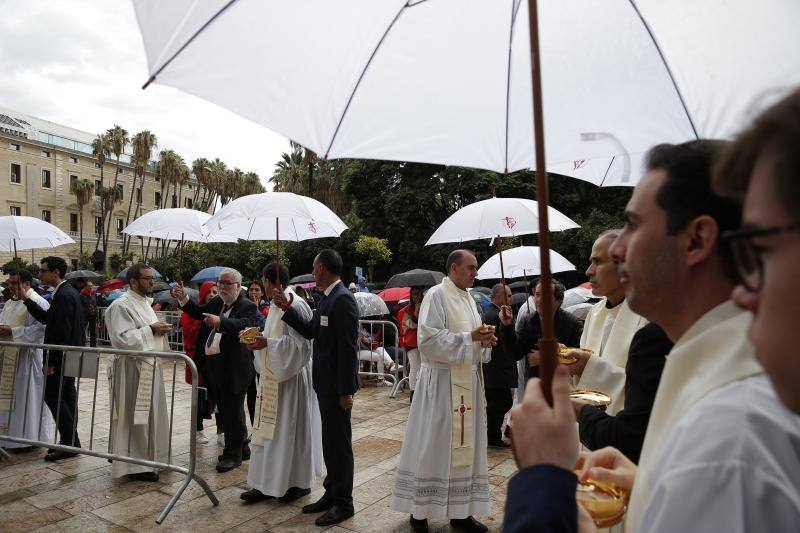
x=419, y=526
x=323, y=504
x=468, y=524
x=226, y=464
x=245, y=453
x=57, y=455
x=254, y=495
x=294, y=493
x=498, y=444
x=334, y=515
x=144, y=476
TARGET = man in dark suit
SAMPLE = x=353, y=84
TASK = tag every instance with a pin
x=334, y=329
x=64, y=324
x=231, y=370
x=625, y=431
x=500, y=373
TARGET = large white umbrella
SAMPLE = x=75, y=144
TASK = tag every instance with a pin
x=520, y=262
x=449, y=81
x=176, y=224
x=497, y=217
x=26, y=233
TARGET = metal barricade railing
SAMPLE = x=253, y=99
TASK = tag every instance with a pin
x=175, y=337
x=84, y=363
x=374, y=354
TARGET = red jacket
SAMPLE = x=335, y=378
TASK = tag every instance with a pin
x=408, y=327
x=191, y=329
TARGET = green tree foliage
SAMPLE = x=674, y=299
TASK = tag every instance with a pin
x=373, y=250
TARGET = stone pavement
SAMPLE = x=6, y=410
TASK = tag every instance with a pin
x=79, y=495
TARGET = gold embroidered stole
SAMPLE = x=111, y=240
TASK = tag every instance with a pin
x=267, y=397
x=462, y=316
x=14, y=315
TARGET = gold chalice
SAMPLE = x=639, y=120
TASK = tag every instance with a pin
x=605, y=502
x=248, y=335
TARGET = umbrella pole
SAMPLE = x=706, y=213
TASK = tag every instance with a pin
x=180, y=260
x=278, y=254
x=16, y=257
x=525, y=281
x=502, y=270
x=547, y=344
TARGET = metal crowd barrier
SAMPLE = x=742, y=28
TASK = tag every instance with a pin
x=400, y=374
x=175, y=337
x=84, y=363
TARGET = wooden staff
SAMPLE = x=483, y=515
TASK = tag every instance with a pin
x=502, y=270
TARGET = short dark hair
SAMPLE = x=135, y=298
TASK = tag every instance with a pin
x=270, y=273
x=256, y=282
x=135, y=271
x=24, y=275
x=331, y=260
x=558, y=288
x=454, y=258
x=687, y=193
x=55, y=263
x=497, y=290
x=776, y=132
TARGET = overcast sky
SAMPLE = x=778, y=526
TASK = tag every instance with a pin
x=81, y=63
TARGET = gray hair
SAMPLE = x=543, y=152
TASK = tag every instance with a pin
x=237, y=277
x=609, y=234
x=497, y=290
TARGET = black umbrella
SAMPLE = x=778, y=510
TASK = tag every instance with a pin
x=82, y=274
x=161, y=286
x=483, y=290
x=415, y=278
x=304, y=278
x=518, y=298
x=518, y=285
x=122, y=273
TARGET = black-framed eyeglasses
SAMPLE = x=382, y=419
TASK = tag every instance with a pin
x=747, y=255
x=224, y=283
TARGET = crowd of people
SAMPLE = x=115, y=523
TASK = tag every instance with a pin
x=689, y=341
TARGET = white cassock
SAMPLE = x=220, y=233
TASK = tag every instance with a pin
x=427, y=485
x=27, y=409
x=721, y=452
x=293, y=456
x=140, y=425
x=527, y=309
x=608, y=332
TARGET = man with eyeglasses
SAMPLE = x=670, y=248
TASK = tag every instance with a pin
x=720, y=453
x=64, y=325
x=229, y=363
x=140, y=426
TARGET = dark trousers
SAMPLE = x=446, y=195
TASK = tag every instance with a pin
x=62, y=409
x=251, y=399
x=337, y=450
x=498, y=403
x=232, y=407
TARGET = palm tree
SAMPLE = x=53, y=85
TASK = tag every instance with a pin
x=143, y=144
x=201, y=168
x=83, y=190
x=251, y=184
x=290, y=171
x=101, y=149
x=119, y=140
x=219, y=172
x=293, y=174
x=181, y=179
x=168, y=167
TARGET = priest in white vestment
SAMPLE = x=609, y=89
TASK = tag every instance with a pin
x=21, y=377
x=607, y=331
x=287, y=436
x=442, y=472
x=140, y=426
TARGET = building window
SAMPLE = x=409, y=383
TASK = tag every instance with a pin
x=72, y=179
x=157, y=179
x=97, y=165
x=121, y=190
x=16, y=173
x=16, y=211
x=73, y=159
x=174, y=201
x=187, y=202
x=120, y=225
x=73, y=222
x=120, y=171
x=14, y=146
x=46, y=179
x=157, y=199
x=74, y=264
x=139, y=195
x=45, y=153
x=97, y=186
x=98, y=225
x=46, y=215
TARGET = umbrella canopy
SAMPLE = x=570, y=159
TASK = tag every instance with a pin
x=116, y=293
x=124, y=272
x=415, y=278
x=522, y=261
x=576, y=295
x=25, y=233
x=518, y=285
x=517, y=299
x=82, y=274
x=177, y=224
x=395, y=294
x=112, y=284
x=504, y=217
x=666, y=74
x=161, y=286
x=303, y=278
x=163, y=297
x=208, y=274
x=370, y=304
x=254, y=217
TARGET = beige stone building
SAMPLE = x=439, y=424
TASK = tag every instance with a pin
x=39, y=160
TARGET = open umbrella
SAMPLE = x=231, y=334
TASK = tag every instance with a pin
x=302, y=278
x=161, y=286
x=415, y=278
x=370, y=304
x=395, y=294
x=82, y=274
x=208, y=274
x=122, y=273
x=26, y=233
x=176, y=224
x=112, y=284
x=522, y=261
x=163, y=297
x=664, y=74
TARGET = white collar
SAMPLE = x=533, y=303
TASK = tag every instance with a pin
x=331, y=286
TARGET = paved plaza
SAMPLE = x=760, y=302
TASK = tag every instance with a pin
x=79, y=494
